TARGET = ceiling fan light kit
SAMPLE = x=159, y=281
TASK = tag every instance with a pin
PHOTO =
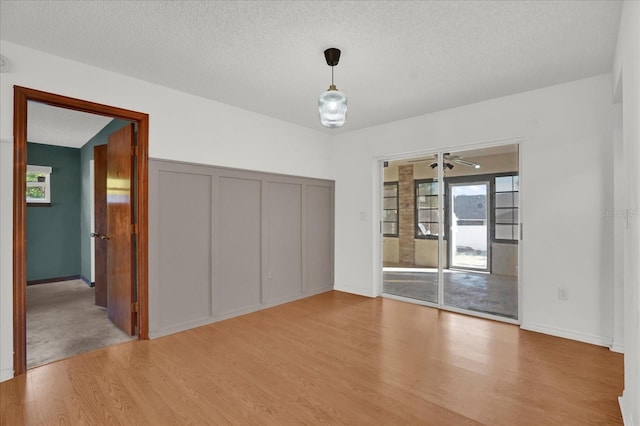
x=332, y=104
x=445, y=166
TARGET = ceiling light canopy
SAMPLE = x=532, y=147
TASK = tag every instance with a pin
x=332, y=104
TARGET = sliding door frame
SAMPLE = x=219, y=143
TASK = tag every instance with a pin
x=378, y=183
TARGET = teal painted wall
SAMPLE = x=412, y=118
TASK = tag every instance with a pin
x=53, y=233
x=86, y=155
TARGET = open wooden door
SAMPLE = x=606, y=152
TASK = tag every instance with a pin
x=21, y=96
x=100, y=221
x=121, y=229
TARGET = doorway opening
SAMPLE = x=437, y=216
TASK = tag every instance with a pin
x=451, y=231
x=469, y=235
x=136, y=307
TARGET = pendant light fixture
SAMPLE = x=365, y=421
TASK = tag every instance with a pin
x=332, y=104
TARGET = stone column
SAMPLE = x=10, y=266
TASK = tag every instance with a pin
x=406, y=219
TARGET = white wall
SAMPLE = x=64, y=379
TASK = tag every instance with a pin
x=182, y=127
x=6, y=249
x=565, y=178
x=619, y=206
x=626, y=72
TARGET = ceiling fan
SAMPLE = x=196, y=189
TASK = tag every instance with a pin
x=448, y=160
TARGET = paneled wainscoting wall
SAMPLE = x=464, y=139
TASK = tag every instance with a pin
x=224, y=242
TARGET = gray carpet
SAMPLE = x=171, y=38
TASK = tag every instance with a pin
x=488, y=293
x=62, y=321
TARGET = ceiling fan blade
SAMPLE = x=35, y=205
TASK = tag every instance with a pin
x=467, y=163
x=420, y=160
x=447, y=157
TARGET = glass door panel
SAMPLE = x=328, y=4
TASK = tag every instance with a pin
x=481, y=272
x=411, y=255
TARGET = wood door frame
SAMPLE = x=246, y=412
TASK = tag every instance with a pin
x=21, y=96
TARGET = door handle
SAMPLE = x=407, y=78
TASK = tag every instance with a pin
x=101, y=236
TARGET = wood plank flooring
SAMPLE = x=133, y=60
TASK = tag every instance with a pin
x=330, y=359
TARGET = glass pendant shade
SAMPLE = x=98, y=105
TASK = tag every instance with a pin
x=332, y=106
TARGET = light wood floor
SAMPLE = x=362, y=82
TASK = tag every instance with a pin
x=329, y=359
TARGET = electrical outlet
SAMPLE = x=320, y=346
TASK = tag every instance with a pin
x=563, y=293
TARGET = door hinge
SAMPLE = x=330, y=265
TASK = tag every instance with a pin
x=134, y=150
x=134, y=228
x=134, y=307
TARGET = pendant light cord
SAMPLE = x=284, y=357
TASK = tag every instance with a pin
x=332, y=75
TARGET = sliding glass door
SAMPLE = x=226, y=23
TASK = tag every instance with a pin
x=451, y=230
x=411, y=253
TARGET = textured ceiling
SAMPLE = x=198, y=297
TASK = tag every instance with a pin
x=62, y=127
x=399, y=59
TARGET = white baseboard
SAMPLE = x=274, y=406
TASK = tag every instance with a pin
x=355, y=290
x=627, y=420
x=617, y=347
x=6, y=374
x=567, y=334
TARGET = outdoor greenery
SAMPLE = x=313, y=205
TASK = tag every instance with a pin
x=36, y=192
